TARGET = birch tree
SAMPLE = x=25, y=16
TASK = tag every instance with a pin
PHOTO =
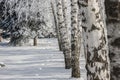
x=83, y=21
x=56, y=25
x=113, y=27
x=97, y=63
x=74, y=39
x=63, y=33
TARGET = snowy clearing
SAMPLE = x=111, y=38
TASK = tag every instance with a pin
x=44, y=62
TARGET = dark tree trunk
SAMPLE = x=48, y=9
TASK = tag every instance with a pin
x=35, y=41
x=75, y=54
x=113, y=27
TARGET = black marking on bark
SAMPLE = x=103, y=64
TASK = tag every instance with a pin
x=109, y=36
x=93, y=9
x=85, y=28
x=84, y=20
x=88, y=56
x=93, y=28
x=72, y=47
x=98, y=58
x=97, y=16
x=82, y=4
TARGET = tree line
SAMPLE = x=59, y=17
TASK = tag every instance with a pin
x=96, y=22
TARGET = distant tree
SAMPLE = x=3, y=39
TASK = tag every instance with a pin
x=21, y=19
x=14, y=24
x=113, y=29
x=35, y=24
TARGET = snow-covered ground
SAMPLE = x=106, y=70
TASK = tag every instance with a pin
x=44, y=62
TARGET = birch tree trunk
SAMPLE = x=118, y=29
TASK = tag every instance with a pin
x=63, y=34
x=64, y=6
x=97, y=63
x=74, y=39
x=113, y=27
x=56, y=26
x=64, y=2
x=83, y=14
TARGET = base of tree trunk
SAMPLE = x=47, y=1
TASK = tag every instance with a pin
x=76, y=72
x=67, y=63
x=75, y=68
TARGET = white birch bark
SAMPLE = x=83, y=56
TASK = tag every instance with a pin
x=97, y=63
x=83, y=16
x=56, y=25
x=74, y=39
x=63, y=34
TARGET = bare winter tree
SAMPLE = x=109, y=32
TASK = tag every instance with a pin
x=63, y=35
x=56, y=25
x=83, y=21
x=74, y=40
x=113, y=27
x=97, y=63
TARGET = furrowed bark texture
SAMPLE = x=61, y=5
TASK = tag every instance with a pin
x=97, y=63
x=63, y=34
x=74, y=39
x=113, y=27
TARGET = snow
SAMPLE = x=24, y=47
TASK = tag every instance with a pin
x=44, y=62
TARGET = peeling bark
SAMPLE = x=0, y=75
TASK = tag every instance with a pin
x=35, y=41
